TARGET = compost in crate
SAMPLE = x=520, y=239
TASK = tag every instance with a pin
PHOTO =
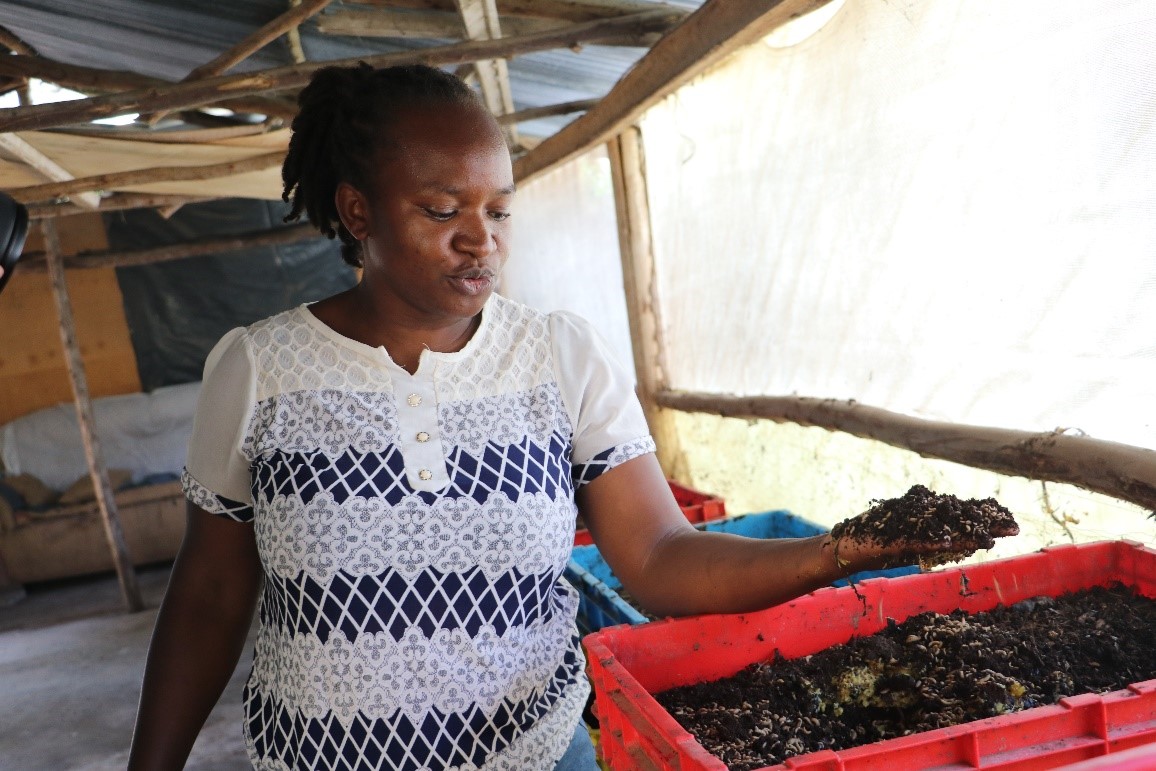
x=931, y=671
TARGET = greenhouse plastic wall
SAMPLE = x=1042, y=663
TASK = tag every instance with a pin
x=600, y=604
x=629, y=663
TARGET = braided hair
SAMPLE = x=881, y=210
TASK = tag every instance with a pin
x=344, y=116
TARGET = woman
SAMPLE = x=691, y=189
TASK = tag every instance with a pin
x=396, y=471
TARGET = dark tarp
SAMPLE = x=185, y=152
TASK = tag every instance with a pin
x=178, y=310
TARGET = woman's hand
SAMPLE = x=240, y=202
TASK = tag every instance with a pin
x=921, y=526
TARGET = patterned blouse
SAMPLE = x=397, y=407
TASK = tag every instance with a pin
x=413, y=531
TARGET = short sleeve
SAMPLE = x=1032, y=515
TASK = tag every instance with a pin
x=609, y=425
x=216, y=475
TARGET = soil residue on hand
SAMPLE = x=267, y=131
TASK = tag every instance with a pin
x=953, y=528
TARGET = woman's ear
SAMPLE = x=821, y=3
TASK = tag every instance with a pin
x=353, y=209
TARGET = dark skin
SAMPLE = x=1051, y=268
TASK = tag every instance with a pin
x=433, y=224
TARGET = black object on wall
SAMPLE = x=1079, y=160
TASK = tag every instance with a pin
x=13, y=231
x=178, y=310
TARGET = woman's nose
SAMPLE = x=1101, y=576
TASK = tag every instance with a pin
x=476, y=235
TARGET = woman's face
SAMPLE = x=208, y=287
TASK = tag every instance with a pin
x=434, y=222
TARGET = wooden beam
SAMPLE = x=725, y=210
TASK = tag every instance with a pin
x=47, y=167
x=168, y=253
x=217, y=89
x=173, y=136
x=13, y=43
x=636, y=248
x=385, y=23
x=91, y=80
x=286, y=22
x=293, y=38
x=565, y=10
x=547, y=111
x=1117, y=470
x=480, y=22
x=714, y=31
x=146, y=176
x=97, y=472
x=417, y=24
x=115, y=202
x=259, y=39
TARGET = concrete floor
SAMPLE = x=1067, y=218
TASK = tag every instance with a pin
x=71, y=662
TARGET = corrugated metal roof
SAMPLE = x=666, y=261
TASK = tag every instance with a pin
x=169, y=38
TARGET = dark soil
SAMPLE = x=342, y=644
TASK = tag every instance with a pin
x=923, y=517
x=928, y=672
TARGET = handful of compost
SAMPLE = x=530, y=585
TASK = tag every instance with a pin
x=923, y=526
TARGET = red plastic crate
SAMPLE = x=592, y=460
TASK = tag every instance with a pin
x=696, y=507
x=629, y=663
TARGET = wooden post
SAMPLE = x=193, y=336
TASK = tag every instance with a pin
x=628, y=172
x=97, y=472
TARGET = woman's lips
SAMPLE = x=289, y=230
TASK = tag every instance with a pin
x=473, y=282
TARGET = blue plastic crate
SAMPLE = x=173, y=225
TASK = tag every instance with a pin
x=599, y=604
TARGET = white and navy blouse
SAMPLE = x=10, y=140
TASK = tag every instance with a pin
x=413, y=530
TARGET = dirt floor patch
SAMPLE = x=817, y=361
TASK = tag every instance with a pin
x=928, y=672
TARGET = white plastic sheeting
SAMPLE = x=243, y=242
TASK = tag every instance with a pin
x=144, y=433
x=565, y=254
x=940, y=207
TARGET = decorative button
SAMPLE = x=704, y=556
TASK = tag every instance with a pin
x=425, y=475
x=413, y=400
x=422, y=436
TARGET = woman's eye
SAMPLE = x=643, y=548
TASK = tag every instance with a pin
x=499, y=216
x=439, y=215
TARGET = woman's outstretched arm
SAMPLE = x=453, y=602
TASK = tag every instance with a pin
x=674, y=569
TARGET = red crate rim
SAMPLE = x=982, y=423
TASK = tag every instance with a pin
x=1093, y=709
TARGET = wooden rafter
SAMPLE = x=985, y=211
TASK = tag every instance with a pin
x=175, y=136
x=259, y=39
x=13, y=43
x=480, y=22
x=195, y=248
x=715, y=30
x=91, y=80
x=47, y=167
x=566, y=10
x=548, y=111
x=388, y=23
x=293, y=37
x=217, y=89
x=146, y=176
x=262, y=37
x=115, y=202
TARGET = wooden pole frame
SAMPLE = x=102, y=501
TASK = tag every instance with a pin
x=1117, y=470
x=169, y=252
x=115, y=202
x=134, y=177
x=97, y=472
x=547, y=111
x=636, y=248
x=567, y=10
